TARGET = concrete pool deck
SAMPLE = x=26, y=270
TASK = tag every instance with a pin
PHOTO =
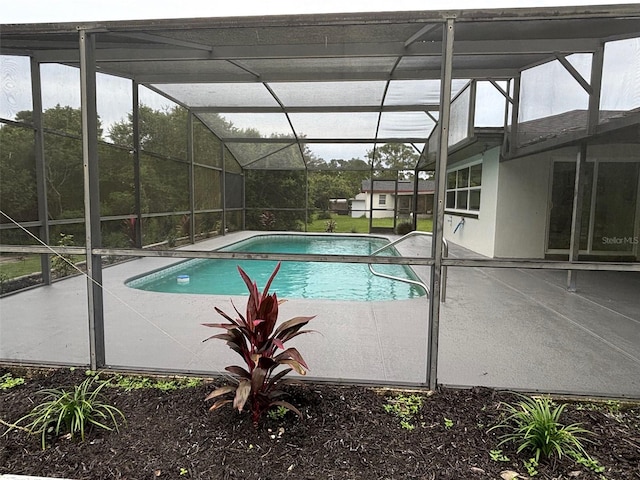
x=506, y=328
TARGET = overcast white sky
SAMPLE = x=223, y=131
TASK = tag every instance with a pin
x=34, y=11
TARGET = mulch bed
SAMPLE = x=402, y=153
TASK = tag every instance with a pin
x=346, y=434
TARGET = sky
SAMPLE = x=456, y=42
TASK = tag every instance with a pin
x=36, y=11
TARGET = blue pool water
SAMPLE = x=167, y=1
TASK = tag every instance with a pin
x=335, y=281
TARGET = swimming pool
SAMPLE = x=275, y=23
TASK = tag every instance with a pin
x=333, y=281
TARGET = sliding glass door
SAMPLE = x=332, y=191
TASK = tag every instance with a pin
x=609, y=208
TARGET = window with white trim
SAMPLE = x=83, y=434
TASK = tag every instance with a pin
x=463, y=189
x=382, y=199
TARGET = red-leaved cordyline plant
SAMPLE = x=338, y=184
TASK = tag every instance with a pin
x=262, y=347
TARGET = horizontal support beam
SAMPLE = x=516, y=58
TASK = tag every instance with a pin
x=449, y=262
x=299, y=21
x=324, y=76
x=37, y=223
x=397, y=49
x=303, y=141
x=541, y=264
x=36, y=249
x=331, y=109
x=112, y=52
x=265, y=256
x=111, y=218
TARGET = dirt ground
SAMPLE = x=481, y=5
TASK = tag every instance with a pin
x=346, y=433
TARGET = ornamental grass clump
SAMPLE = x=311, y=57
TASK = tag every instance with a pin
x=72, y=412
x=261, y=344
x=534, y=425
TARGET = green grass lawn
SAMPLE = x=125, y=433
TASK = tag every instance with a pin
x=18, y=266
x=346, y=224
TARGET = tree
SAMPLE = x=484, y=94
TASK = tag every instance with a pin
x=342, y=179
x=62, y=157
x=161, y=131
x=275, y=191
x=391, y=158
x=164, y=173
x=116, y=181
x=17, y=170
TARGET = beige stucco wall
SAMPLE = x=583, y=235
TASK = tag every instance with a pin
x=363, y=200
x=522, y=205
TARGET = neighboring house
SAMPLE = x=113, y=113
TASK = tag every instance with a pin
x=522, y=207
x=390, y=198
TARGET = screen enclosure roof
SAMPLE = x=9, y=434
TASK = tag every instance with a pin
x=366, y=79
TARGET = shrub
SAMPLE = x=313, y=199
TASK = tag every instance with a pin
x=73, y=412
x=534, y=424
x=256, y=339
x=183, y=228
x=171, y=239
x=63, y=264
x=129, y=227
x=324, y=215
x=267, y=220
x=404, y=228
x=330, y=226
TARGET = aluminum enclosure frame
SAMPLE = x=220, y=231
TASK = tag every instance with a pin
x=112, y=47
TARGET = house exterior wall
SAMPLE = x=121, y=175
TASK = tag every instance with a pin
x=477, y=234
x=388, y=207
x=513, y=219
x=522, y=205
x=359, y=206
x=363, y=202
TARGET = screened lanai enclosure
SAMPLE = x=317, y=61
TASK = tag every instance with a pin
x=135, y=152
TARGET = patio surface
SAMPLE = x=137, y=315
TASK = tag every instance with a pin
x=505, y=328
